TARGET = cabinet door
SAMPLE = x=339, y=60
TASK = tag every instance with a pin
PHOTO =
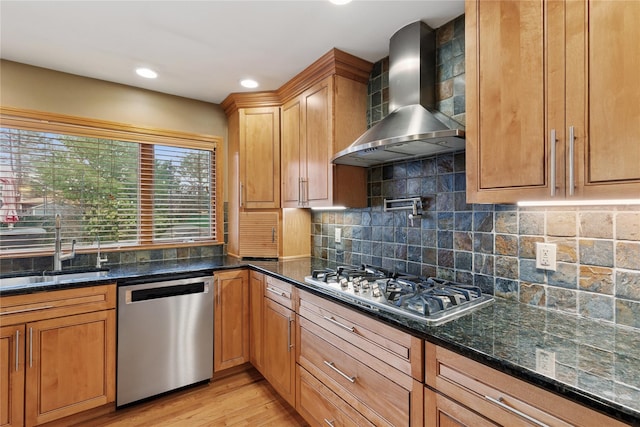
x=12, y=375
x=231, y=326
x=317, y=122
x=279, y=344
x=603, y=93
x=256, y=304
x=293, y=154
x=259, y=158
x=70, y=366
x=258, y=233
x=507, y=145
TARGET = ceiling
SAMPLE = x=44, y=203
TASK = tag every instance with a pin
x=202, y=49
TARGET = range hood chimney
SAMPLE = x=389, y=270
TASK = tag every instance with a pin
x=413, y=128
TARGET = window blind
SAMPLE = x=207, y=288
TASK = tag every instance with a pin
x=116, y=192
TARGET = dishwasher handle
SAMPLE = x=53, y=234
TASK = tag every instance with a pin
x=147, y=294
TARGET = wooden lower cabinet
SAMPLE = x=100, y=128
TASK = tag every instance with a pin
x=71, y=363
x=57, y=354
x=231, y=319
x=12, y=375
x=256, y=303
x=368, y=364
x=500, y=397
x=279, y=349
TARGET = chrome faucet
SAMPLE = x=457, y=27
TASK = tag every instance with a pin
x=99, y=259
x=57, y=255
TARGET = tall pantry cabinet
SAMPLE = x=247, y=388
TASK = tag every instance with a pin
x=552, y=90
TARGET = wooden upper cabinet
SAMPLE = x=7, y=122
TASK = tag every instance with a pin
x=293, y=150
x=259, y=171
x=314, y=128
x=538, y=73
x=603, y=59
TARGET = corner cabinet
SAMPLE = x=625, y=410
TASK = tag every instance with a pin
x=231, y=319
x=317, y=124
x=552, y=90
x=41, y=379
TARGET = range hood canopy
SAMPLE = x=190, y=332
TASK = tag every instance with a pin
x=413, y=128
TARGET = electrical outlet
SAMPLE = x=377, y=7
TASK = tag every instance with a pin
x=338, y=236
x=546, y=256
x=546, y=362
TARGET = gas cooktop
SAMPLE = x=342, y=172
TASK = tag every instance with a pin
x=430, y=300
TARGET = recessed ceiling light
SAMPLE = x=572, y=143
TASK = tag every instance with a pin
x=340, y=2
x=248, y=83
x=146, y=73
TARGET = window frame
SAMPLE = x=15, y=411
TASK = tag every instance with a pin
x=146, y=136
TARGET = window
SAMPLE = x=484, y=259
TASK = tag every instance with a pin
x=112, y=185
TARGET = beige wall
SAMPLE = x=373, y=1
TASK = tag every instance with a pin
x=34, y=88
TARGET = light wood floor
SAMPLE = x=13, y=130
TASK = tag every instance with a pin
x=242, y=399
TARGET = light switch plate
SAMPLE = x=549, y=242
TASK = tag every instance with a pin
x=338, y=236
x=546, y=256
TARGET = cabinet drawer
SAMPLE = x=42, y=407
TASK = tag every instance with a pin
x=322, y=407
x=279, y=291
x=501, y=397
x=398, y=349
x=441, y=411
x=355, y=376
x=50, y=304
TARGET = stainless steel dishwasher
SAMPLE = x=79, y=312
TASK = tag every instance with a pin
x=165, y=335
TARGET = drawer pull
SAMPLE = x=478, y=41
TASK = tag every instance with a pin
x=335, y=322
x=329, y=423
x=278, y=292
x=26, y=310
x=332, y=366
x=499, y=402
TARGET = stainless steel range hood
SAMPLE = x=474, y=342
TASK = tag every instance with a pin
x=413, y=128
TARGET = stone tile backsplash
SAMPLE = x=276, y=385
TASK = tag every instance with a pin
x=492, y=246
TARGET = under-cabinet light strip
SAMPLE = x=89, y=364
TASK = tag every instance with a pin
x=579, y=202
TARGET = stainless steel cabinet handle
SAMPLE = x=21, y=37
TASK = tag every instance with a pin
x=300, y=180
x=332, y=366
x=278, y=292
x=27, y=310
x=552, y=165
x=273, y=235
x=305, y=192
x=240, y=194
x=30, y=347
x=500, y=403
x=335, y=322
x=572, y=140
x=289, y=345
x=329, y=423
x=17, y=350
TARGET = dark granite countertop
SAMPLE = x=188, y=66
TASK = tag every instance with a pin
x=596, y=363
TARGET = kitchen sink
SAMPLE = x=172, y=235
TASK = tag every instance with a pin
x=11, y=282
x=50, y=276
